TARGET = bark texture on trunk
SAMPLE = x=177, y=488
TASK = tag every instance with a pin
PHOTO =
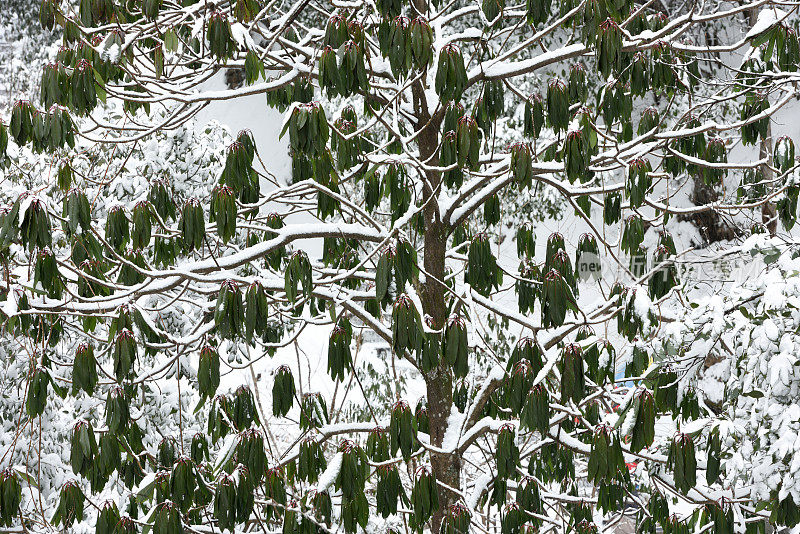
x=439, y=382
x=769, y=215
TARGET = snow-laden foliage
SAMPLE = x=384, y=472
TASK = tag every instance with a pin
x=737, y=354
x=468, y=305
x=189, y=158
x=24, y=49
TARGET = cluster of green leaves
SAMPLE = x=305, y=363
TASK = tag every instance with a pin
x=70, y=505
x=451, y=74
x=482, y=272
x=10, y=497
x=407, y=44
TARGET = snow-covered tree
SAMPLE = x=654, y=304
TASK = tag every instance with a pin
x=553, y=383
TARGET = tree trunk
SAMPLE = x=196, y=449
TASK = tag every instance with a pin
x=769, y=215
x=439, y=382
x=768, y=212
x=709, y=223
